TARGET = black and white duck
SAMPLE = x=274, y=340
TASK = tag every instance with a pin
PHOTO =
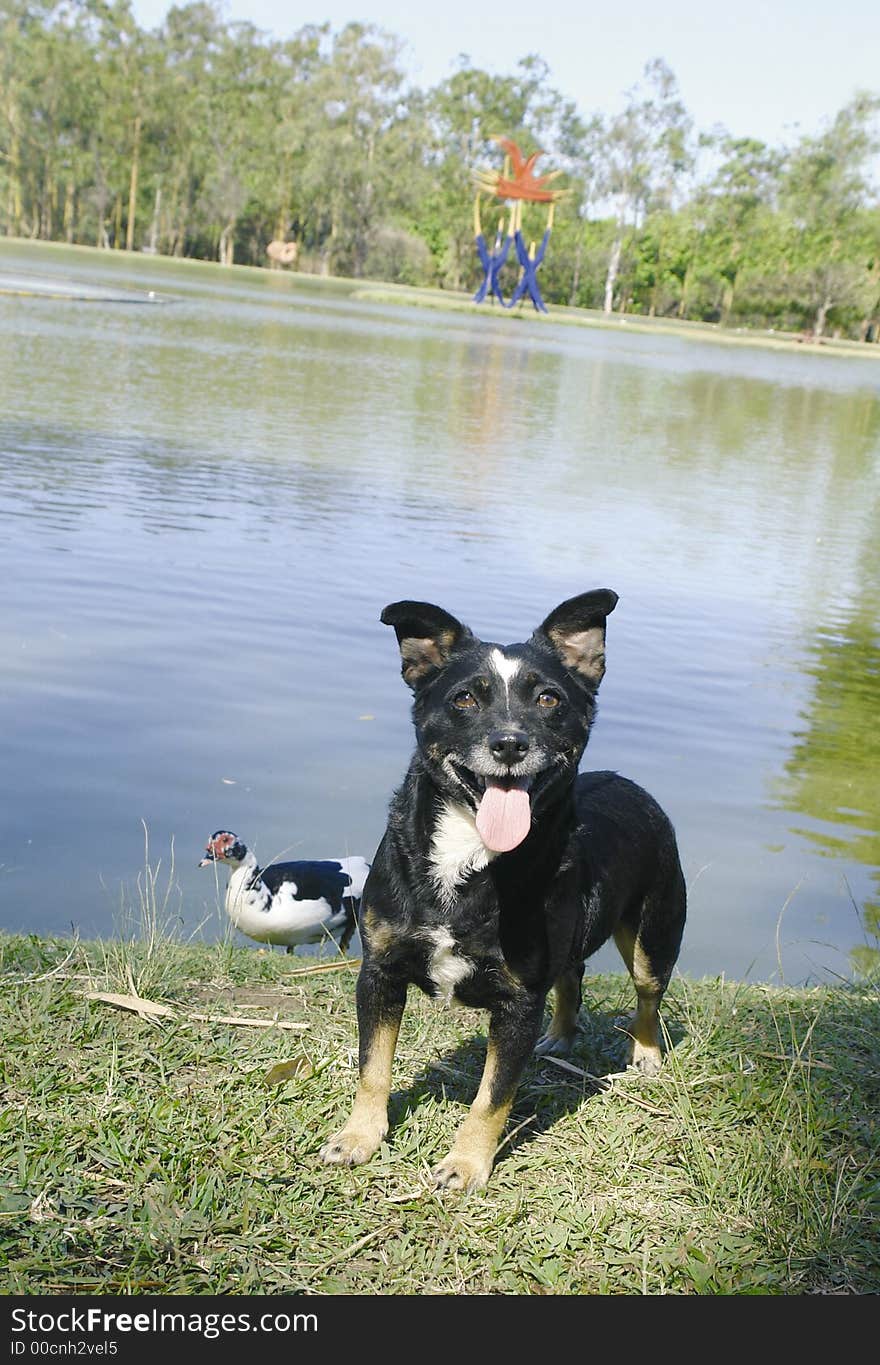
x=289, y=903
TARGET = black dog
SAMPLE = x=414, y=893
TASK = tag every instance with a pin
x=501, y=869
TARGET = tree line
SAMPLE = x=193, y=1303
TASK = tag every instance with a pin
x=211, y=139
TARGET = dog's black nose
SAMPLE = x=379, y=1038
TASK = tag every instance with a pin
x=508, y=746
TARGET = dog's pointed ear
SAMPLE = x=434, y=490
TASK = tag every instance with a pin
x=427, y=635
x=575, y=631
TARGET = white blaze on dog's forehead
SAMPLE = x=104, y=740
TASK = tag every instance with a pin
x=504, y=666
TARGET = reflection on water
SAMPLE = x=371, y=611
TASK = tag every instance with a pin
x=205, y=506
x=832, y=776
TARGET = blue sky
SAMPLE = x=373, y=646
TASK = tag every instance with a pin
x=762, y=68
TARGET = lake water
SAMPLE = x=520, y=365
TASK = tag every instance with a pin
x=208, y=497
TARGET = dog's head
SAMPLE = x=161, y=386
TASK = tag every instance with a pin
x=502, y=729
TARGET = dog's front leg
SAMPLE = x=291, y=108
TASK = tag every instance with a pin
x=513, y=1030
x=380, y=1002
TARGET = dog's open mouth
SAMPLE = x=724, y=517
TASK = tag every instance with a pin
x=504, y=808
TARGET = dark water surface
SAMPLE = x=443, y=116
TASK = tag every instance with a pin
x=206, y=502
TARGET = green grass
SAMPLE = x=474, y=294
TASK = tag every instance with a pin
x=142, y=1156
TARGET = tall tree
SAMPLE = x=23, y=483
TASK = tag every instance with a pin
x=126, y=58
x=238, y=123
x=744, y=185
x=824, y=187
x=191, y=40
x=647, y=150
x=359, y=160
x=299, y=61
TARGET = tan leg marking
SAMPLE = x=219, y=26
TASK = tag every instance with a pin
x=469, y=1164
x=560, y=1036
x=368, y=1124
x=644, y=1025
x=378, y=932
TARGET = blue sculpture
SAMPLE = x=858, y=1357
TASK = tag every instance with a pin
x=492, y=262
x=529, y=260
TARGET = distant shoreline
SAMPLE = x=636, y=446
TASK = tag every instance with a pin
x=384, y=292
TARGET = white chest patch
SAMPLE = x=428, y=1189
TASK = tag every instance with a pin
x=446, y=967
x=456, y=850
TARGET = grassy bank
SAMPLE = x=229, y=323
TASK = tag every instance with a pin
x=173, y=1153
x=446, y=301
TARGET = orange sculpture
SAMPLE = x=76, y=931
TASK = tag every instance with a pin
x=522, y=183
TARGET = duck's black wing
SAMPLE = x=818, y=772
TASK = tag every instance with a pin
x=314, y=881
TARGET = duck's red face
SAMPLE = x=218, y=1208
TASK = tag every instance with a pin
x=223, y=847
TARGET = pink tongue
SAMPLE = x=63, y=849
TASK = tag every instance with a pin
x=504, y=817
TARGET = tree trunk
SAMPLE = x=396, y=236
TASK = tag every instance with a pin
x=69, y=210
x=455, y=258
x=327, y=250
x=47, y=214
x=821, y=316
x=613, y=268
x=227, y=245
x=179, y=245
x=576, y=274
x=133, y=184
x=13, y=195
x=364, y=229
x=685, y=288
x=175, y=208
x=154, y=223
x=117, y=223
x=101, y=241
x=727, y=303
x=285, y=194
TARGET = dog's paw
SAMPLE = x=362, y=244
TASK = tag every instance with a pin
x=646, y=1060
x=462, y=1172
x=644, y=1054
x=552, y=1046
x=351, y=1147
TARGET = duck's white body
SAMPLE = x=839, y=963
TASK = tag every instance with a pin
x=278, y=916
x=289, y=903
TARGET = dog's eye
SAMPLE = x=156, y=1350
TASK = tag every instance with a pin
x=548, y=699
x=465, y=701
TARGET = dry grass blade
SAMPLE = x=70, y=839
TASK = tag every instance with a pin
x=241, y=1021
x=348, y=963
x=361, y=1243
x=152, y=1009
x=794, y=1061
x=605, y=1083
x=135, y=1003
